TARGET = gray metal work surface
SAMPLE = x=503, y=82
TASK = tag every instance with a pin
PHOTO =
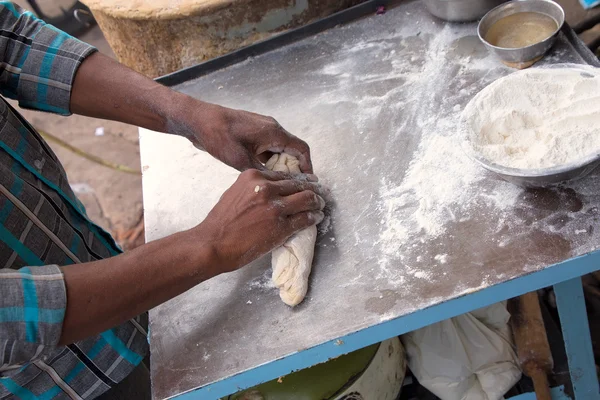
x=413, y=223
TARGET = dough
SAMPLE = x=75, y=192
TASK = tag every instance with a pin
x=292, y=262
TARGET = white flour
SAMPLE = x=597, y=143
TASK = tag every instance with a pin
x=537, y=118
x=440, y=185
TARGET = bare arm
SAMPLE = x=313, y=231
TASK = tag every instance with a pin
x=102, y=294
x=105, y=293
x=103, y=88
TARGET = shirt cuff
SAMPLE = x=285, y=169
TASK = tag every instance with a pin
x=47, y=75
x=33, y=304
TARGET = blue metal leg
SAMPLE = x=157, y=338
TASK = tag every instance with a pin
x=578, y=342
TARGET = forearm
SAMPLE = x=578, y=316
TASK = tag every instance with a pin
x=105, y=89
x=105, y=293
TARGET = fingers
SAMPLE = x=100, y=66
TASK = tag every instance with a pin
x=289, y=187
x=249, y=162
x=305, y=163
x=305, y=219
x=264, y=157
x=301, y=202
x=283, y=141
x=294, y=147
x=283, y=184
x=303, y=158
x=292, y=196
x=301, y=151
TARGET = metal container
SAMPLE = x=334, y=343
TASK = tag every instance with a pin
x=539, y=177
x=528, y=53
x=461, y=10
x=544, y=176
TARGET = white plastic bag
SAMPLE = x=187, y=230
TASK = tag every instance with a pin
x=469, y=357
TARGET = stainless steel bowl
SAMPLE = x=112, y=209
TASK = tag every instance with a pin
x=528, y=53
x=544, y=176
x=461, y=10
x=534, y=177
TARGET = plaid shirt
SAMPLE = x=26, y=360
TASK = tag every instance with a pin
x=43, y=225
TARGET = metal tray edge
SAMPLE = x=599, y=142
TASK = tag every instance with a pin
x=579, y=46
x=274, y=42
x=291, y=36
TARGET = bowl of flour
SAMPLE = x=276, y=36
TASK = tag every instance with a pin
x=538, y=126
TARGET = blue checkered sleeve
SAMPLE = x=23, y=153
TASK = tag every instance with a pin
x=32, y=309
x=38, y=61
x=43, y=225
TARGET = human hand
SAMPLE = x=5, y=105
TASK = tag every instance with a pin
x=239, y=138
x=258, y=213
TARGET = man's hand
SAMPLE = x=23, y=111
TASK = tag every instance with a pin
x=258, y=213
x=240, y=139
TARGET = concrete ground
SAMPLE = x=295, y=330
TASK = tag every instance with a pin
x=113, y=198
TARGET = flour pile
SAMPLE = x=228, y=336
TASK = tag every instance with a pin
x=441, y=186
x=537, y=118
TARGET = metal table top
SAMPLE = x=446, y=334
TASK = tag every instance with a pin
x=414, y=223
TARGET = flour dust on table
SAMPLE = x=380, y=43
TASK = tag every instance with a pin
x=378, y=100
x=444, y=193
x=406, y=200
x=440, y=186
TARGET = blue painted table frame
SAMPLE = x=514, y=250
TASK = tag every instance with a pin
x=565, y=277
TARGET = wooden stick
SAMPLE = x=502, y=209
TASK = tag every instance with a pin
x=530, y=336
x=540, y=384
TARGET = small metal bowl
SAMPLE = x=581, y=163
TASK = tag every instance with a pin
x=461, y=10
x=526, y=54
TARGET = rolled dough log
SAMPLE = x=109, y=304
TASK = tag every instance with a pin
x=292, y=262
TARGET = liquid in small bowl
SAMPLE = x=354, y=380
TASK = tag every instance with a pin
x=521, y=30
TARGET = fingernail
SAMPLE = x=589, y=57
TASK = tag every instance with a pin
x=318, y=216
